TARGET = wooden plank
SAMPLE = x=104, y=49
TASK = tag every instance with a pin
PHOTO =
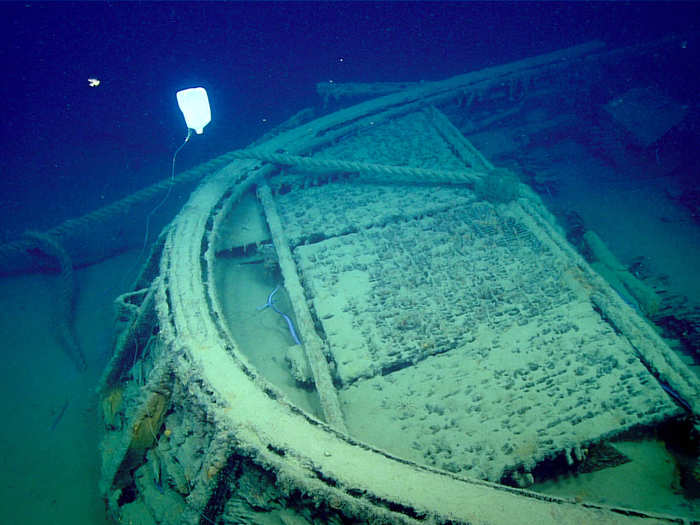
x=312, y=343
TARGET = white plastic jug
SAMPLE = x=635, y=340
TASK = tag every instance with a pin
x=194, y=104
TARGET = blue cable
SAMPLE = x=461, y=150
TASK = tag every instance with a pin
x=290, y=324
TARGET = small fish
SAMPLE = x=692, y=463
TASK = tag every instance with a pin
x=59, y=416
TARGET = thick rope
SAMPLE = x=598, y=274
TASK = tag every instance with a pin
x=386, y=172
x=66, y=298
x=143, y=195
x=73, y=227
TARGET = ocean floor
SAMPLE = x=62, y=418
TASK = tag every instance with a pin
x=50, y=459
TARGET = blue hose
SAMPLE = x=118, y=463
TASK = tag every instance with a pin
x=290, y=324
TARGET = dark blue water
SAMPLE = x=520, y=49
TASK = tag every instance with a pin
x=84, y=146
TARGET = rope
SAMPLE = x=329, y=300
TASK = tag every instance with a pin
x=66, y=299
x=71, y=228
x=121, y=206
x=402, y=173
